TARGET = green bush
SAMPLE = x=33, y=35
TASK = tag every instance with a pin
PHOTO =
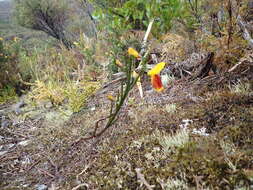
x=136, y=15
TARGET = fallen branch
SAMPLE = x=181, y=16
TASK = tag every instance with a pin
x=193, y=69
x=246, y=61
x=105, y=88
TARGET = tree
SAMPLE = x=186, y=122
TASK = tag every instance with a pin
x=49, y=16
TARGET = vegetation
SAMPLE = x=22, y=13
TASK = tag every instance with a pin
x=137, y=14
x=144, y=94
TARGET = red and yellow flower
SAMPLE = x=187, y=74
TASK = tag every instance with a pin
x=154, y=73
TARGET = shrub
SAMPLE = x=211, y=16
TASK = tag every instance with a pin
x=49, y=16
x=136, y=15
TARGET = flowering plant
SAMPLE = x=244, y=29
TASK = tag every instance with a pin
x=132, y=77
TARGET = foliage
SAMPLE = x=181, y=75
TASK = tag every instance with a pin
x=117, y=47
x=136, y=15
x=240, y=88
x=192, y=14
x=47, y=91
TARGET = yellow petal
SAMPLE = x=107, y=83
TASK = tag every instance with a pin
x=133, y=52
x=119, y=63
x=157, y=69
x=111, y=98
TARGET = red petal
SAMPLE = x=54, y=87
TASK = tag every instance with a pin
x=157, y=83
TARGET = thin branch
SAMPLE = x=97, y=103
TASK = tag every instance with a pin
x=145, y=39
x=46, y=172
x=94, y=132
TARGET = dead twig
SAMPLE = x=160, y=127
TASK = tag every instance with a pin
x=84, y=170
x=142, y=179
x=45, y=172
x=31, y=167
x=81, y=185
x=94, y=135
x=234, y=67
x=145, y=39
